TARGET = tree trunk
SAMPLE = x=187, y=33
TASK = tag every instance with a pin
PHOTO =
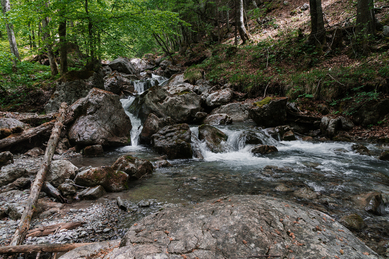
x=6, y=6
x=50, y=54
x=241, y=28
x=48, y=248
x=29, y=209
x=63, y=51
x=365, y=17
x=318, y=32
x=255, y=4
x=236, y=23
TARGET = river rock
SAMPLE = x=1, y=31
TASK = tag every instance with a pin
x=282, y=188
x=133, y=166
x=92, y=193
x=360, y=149
x=330, y=126
x=10, y=173
x=123, y=65
x=114, y=83
x=174, y=141
x=220, y=97
x=152, y=125
x=213, y=137
x=263, y=149
x=142, y=65
x=346, y=123
x=353, y=221
x=35, y=152
x=61, y=170
x=100, y=119
x=271, y=114
x=10, y=123
x=6, y=158
x=384, y=155
x=162, y=163
x=176, y=101
x=73, y=86
x=305, y=193
x=376, y=205
x=240, y=227
x=67, y=188
x=218, y=119
x=110, y=179
x=94, y=150
x=236, y=111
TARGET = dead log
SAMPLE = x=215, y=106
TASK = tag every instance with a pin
x=35, y=120
x=47, y=230
x=48, y=248
x=25, y=135
x=24, y=224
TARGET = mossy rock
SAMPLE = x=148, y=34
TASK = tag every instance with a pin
x=353, y=221
x=263, y=102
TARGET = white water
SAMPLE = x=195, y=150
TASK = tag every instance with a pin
x=139, y=86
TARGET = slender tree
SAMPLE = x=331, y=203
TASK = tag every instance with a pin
x=6, y=6
x=241, y=28
x=318, y=32
x=63, y=48
x=49, y=47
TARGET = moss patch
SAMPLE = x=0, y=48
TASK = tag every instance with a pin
x=263, y=102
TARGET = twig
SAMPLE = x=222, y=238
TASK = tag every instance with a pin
x=264, y=93
x=266, y=256
x=38, y=255
x=335, y=79
x=317, y=87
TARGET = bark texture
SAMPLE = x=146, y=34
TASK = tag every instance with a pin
x=5, y=4
x=241, y=28
x=365, y=17
x=318, y=32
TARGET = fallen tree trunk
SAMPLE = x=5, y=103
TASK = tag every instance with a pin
x=25, y=135
x=24, y=224
x=48, y=248
x=47, y=230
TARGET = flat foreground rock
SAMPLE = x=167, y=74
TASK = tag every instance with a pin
x=240, y=227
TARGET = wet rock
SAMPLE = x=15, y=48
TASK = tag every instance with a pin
x=114, y=83
x=6, y=158
x=384, y=155
x=61, y=170
x=123, y=65
x=220, y=97
x=111, y=180
x=100, y=119
x=174, y=141
x=360, y=149
x=213, y=137
x=263, y=149
x=329, y=126
x=162, y=163
x=218, y=119
x=236, y=111
x=92, y=193
x=152, y=125
x=91, y=250
x=353, y=221
x=307, y=138
x=288, y=136
x=346, y=123
x=35, y=152
x=94, y=150
x=73, y=86
x=10, y=173
x=142, y=65
x=305, y=193
x=67, y=188
x=271, y=114
x=376, y=205
x=215, y=229
x=250, y=138
x=199, y=116
x=282, y=188
x=133, y=166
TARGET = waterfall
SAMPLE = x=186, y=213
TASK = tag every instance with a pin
x=139, y=86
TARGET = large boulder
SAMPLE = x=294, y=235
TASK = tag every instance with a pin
x=220, y=97
x=175, y=99
x=213, y=137
x=123, y=65
x=91, y=193
x=269, y=114
x=250, y=138
x=218, y=119
x=330, y=126
x=133, y=166
x=384, y=155
x=73, y=86
x=237, y=111
x=142, y=65
x=114, y=83
x=152, y=125
x=240, y=227
x=61, y=170
x=174, y=141
x=99, y=119
x=110, y=179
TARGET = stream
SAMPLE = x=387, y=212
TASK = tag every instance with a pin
x=336, y=174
